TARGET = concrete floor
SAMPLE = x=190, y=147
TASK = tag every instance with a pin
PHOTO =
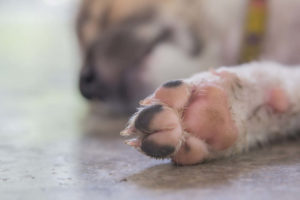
x=51, y=147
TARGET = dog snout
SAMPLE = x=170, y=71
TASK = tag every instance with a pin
x=91, y=86
x=94, y=87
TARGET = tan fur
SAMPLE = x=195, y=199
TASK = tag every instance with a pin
x=214, y=20
x=121, y=9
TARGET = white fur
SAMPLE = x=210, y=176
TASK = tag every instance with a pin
x=257, y=79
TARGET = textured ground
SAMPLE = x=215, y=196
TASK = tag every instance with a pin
x=48, y=145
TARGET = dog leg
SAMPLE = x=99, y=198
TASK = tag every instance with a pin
x=217, y=113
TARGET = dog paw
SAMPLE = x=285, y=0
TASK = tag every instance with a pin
x=184, y=121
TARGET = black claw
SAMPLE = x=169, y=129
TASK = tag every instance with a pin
x=171, y=84
x=156, y=151
x=146, y=115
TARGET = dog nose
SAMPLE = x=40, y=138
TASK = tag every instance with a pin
x=90, y=85
x=86, y=83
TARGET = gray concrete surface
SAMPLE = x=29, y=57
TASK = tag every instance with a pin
x=51, y=147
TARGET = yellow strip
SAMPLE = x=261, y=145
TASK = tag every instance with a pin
x=255, y=26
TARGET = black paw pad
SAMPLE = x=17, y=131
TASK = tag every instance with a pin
x=145, y=116
x=157, y=151
x=171, y=84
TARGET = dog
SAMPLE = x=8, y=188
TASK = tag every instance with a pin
x=129, y=47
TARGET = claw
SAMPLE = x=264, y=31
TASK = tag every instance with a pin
x=127, y=131
x=136, y=143
x=146, y=101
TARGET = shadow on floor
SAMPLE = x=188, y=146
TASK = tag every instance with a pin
x=247, y=167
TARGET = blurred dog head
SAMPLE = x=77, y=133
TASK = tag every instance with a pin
x=129, y=47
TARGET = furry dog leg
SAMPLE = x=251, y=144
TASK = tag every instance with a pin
x=218, y=113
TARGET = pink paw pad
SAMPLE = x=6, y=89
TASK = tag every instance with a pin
x=192, y=151
x=278, y=100
x=173, y=93
x=209, y=118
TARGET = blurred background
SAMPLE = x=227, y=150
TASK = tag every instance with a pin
x=39, y=64
x=40, y=107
